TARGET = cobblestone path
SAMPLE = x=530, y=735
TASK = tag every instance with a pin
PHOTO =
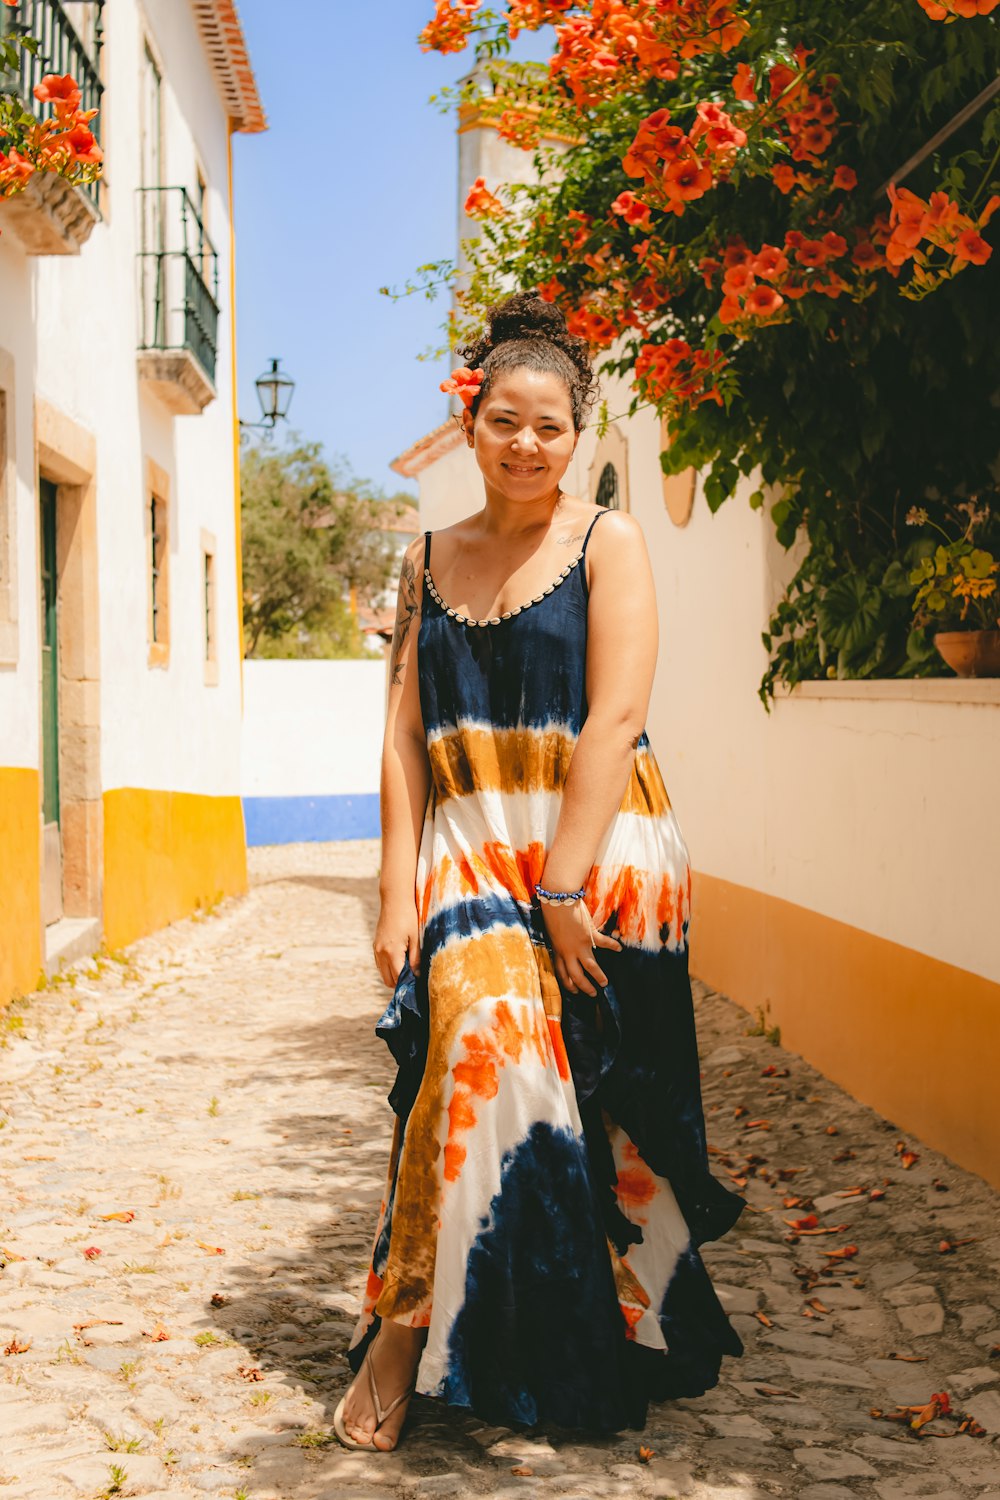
x=193, y=1146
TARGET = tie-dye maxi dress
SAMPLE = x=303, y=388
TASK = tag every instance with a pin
x=548, y=1182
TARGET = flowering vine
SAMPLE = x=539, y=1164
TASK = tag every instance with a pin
x=739, y=206
x=784, y=119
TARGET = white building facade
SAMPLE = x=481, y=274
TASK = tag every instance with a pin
x=120, y=634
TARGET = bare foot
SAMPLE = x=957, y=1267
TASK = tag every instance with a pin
x=393, y=1355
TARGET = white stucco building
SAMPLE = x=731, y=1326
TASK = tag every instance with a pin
x=120, y=637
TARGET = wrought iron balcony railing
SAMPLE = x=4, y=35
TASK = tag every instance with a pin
x=178, y=277
x=61, y=50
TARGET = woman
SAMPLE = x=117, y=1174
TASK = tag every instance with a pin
x=535, y=1257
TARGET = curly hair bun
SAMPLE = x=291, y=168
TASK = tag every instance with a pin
x=525, y=315
x=526, y=332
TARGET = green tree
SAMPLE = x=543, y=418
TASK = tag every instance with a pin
x=312, y=532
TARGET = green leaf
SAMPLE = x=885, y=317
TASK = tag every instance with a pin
x=720, y=484
x=979, y=564
x=848, y=614
x=896, y=581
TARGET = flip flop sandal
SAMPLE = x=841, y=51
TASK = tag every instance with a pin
x=381, y=1412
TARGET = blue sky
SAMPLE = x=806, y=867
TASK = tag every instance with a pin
x=351, y=188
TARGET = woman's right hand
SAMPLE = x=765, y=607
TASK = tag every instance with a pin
x=397, y=937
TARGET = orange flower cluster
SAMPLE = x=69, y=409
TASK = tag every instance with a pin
x=808, y=122
x=449, y=30
x=59, y=143
x=619, y=44
x=531, y=15
x=940, y=221
x=481, y=203
x=950, y=10
x=519, y=128
x=549, y=290
x=649, y=296
x=673, y=373
x=15, y=170
x=666, y=159
x=588, y=322
x=757, y=284
x=579, y=237
x=631, y=209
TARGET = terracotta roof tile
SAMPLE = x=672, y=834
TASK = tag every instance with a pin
x=225, y=44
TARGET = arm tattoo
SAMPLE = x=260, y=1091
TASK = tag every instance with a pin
x=405, y=612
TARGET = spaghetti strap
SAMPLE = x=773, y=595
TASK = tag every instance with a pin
x=583, y=552
x=427, y=550
x=602, y=512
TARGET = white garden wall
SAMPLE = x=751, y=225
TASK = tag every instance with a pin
x=312, y=745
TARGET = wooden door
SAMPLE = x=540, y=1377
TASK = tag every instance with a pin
x=52, y=872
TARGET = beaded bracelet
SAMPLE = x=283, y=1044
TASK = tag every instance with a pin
x=558, y=897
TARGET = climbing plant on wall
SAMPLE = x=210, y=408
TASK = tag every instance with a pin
x=774, y=219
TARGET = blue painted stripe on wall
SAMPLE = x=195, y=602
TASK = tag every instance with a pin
x=304, y=820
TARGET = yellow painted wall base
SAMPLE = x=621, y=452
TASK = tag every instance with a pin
x=20, y=882
x=915, y=1038
x=166, y=853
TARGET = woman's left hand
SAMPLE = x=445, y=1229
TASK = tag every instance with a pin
x=574, y=939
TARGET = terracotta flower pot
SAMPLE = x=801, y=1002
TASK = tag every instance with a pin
x=971, y=653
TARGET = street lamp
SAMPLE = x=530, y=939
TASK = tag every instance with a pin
x=274, y=391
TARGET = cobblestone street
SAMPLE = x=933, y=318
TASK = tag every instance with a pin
x=194, y=1142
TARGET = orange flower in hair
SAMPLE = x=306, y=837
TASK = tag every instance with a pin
x=464, y=383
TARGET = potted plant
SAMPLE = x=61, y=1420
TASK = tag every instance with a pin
x=957, y=592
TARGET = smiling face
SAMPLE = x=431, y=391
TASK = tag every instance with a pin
x=523, y=434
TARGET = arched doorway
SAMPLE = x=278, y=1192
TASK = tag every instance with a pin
x=607, y=488
x=608, y=471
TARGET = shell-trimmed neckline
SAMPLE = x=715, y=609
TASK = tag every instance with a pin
x=508, y=614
